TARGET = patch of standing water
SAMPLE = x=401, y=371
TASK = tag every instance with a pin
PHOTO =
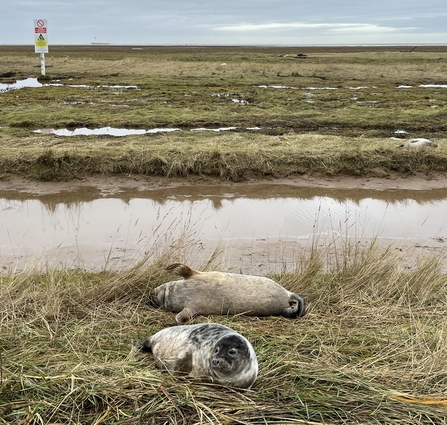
x=28, y=82
x=429, y=86
x=434, y=86
x=77, y=227
x=32, y=82
x=120, y=132
x=214, y=129
x=104, y=131
x=273, y=86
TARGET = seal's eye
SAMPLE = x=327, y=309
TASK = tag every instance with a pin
x=216, y=350
x=232, y=352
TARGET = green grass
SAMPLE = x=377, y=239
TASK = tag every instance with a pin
x=370, y=350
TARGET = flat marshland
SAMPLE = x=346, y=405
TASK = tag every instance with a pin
x=332, y=112
x=372, y=347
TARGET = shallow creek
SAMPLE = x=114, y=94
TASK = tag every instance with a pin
x=258, y=227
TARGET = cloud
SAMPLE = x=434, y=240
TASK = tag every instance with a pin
x=330, y=27
x=233, y=21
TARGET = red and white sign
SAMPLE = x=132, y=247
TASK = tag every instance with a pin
x=40, y=36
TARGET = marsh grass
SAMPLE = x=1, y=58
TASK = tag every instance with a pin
x=370, y=350
x=344, y=98
x=231, y=156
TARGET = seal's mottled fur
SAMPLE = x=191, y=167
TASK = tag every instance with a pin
x=225, y=293
x=208, y=351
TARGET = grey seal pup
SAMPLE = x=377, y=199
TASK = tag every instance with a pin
x=225, y=293
x=208, y=351
x=418, y=143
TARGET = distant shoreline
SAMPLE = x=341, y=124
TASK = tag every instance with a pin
x=238, y=45
x=235, y=45
x=273, y=49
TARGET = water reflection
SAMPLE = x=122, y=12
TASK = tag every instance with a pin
x=27, y=82
x=119, y=132
x=103, y=131
x=33, y=83
x=123, y=219
x=217, y=193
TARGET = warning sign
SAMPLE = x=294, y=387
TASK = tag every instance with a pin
x=41, y=42
x=40, y=36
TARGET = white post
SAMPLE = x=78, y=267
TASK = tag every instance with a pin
x=42, y=63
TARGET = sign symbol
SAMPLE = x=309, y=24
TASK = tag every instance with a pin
x=40, y=39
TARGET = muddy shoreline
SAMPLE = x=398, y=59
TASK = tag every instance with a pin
x=390, y=182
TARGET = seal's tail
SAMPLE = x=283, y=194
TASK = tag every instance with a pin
x=181, y=270
x=297, y=307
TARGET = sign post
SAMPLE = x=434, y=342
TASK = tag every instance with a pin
x=41, y=41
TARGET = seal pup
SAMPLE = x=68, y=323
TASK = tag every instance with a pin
x=418, y=143
x=225, y=293
x=208, y=351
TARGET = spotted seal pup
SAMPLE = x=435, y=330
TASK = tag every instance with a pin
x=207, y=351
x=225, y=293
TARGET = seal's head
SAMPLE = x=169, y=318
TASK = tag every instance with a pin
x=234, y=362
x=297, y=307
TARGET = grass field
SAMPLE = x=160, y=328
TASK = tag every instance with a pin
x=372, y=347
x=332, y=112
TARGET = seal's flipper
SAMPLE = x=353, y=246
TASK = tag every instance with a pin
x=181, y=270
x=184, y=363
x=297, y=307
x=185, y=316
x=144, y=345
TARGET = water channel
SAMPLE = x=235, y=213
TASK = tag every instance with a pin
x=92, y=228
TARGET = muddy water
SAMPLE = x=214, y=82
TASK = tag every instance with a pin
x=92, y=228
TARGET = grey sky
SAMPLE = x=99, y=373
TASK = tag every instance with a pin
x=227, y=22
